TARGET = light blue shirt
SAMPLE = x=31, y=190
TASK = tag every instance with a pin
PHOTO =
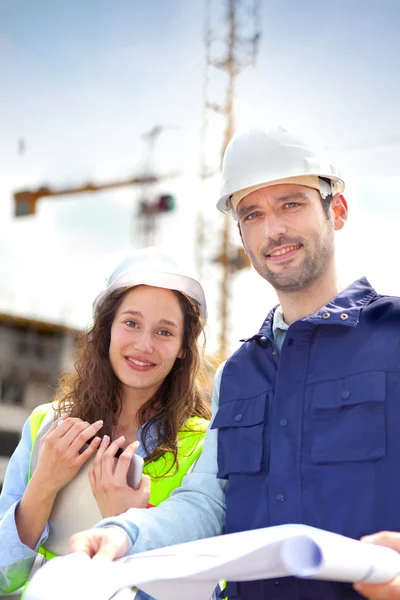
x=196, y=509
x=14, y=555
x=279, y=327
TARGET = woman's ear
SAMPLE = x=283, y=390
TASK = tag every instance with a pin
x=182, y=354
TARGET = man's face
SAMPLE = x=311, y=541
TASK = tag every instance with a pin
x=287, y=235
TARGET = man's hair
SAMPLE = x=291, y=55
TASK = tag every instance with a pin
x=326, y=201
x=93, y=391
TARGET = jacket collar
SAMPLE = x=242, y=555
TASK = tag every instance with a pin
x=343, y=310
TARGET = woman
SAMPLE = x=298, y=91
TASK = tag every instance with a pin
x=137, y=388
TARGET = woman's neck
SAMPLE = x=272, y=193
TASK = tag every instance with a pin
x=132, y=402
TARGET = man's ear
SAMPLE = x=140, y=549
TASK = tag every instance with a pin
x=340, y=211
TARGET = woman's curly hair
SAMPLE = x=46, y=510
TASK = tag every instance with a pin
x=93, y=392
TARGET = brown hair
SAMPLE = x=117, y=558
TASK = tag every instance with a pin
x=93, y=391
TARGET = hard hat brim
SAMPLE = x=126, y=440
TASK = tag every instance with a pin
x=224, y=204
x=172, y=281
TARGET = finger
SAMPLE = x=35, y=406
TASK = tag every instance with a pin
x=107, y=550
x=112, y=449
x=81, y=433
x=121, y=470
x=144, y=487
x=364, y=589
x=86, y=542
x=390, y=539
x=61, y=426
x=92, y=479
x=388, y=591
x=113, y=543
x=103, y=543
x=62, y=418
x=108, y=460
x=142, y=494
x=55, y=424
x=90, y=450
x=97, y=463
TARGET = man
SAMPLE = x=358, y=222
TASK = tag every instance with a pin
x=307, y=411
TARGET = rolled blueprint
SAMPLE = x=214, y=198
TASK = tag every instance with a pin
x=323, y=555
x=192, y=570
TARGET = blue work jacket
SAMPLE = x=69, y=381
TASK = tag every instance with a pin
x=311, y=434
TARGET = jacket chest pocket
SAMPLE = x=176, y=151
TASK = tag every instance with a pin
x=348, y=419
x=240, y=425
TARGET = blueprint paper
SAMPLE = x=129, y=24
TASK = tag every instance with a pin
x=192, y=570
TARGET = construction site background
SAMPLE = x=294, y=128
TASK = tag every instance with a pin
x=114, y=123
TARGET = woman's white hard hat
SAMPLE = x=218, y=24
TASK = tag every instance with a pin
x=256, y=158
x=152, y=266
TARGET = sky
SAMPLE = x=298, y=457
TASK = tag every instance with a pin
x=82, y=81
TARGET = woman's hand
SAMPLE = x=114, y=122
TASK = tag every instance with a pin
x=108, y=479
x=60, y=456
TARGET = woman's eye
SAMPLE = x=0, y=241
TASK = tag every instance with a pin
x=165, y=333
x=131, y=324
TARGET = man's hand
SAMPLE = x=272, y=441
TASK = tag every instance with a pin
x=386, y=591
x=104, y=542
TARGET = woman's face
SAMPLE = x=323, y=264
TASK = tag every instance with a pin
x=146, y=338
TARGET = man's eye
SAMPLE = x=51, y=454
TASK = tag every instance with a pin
x=291, y=205
x=252, y=216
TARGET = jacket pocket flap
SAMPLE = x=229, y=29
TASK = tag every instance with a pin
x=354, y=389
x=240, y=413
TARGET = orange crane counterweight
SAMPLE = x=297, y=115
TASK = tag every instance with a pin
x=25, y=200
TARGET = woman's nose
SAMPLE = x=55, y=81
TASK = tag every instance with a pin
x=144, y=342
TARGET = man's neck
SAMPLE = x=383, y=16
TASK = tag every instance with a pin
x=298, y=305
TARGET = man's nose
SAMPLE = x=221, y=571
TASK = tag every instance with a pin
x=274, y=227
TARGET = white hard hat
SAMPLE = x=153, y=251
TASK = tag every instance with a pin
x=256, y=158
x=151, y=266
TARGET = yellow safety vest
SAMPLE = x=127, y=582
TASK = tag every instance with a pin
x=163, y=479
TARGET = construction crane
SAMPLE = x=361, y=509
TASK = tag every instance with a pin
x=240, y=50
x=150, y=207
x=148, y=210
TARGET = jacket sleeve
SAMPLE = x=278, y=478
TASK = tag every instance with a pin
x=193, y=511
x=16, y=558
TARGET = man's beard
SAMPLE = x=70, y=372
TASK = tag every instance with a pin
x=294, y=279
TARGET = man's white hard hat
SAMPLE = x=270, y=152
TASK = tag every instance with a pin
x=256, y=158
x=152, y=266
